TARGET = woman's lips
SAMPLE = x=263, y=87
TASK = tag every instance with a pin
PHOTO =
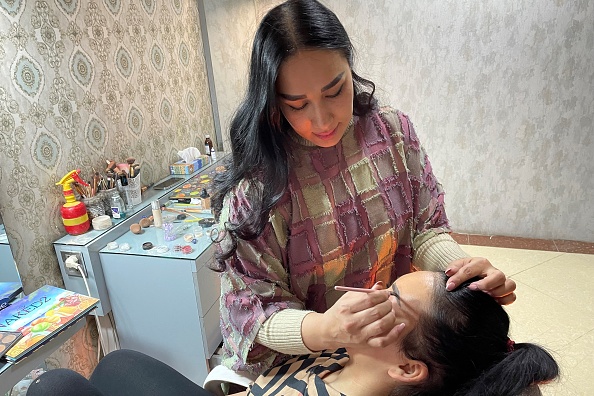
x=326, y=135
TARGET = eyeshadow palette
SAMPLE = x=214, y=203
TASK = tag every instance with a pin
x=191, y=189
x=7, y=340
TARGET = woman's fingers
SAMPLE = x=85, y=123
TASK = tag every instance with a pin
x=493, y=281
x=358, y=318
x=383, y=341
x=374, y=326
x=353, y=302
x=467, y=268
x=510, y=298
x=504, y=294
x=363, y=309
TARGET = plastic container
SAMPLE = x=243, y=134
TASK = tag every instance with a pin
x=102, y=222
x=133, y=192
x=74, y=213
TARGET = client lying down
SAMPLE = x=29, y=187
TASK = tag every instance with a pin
x=453, y=343
x=450, y=343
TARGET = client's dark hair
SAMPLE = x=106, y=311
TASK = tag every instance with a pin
x=463, y=340
x=258, y=132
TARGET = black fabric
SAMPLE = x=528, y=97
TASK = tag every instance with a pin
x=62, y=382
x=120, y=373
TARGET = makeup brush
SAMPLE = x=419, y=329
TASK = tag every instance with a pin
x=163, y=207
x=363, y=290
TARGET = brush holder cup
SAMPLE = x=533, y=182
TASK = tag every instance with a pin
x=133, y=192
x=94, y=206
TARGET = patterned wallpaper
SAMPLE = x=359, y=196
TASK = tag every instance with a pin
x=82, y=82
x=500, y=93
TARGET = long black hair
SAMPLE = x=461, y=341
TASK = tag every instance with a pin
x=463, y=340
x=258, y=132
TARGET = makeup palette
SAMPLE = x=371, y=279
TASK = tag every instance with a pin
x=191, y=189
x=7, y=340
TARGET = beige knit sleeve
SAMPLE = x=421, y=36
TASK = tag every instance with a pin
x=282, y=332
x=437, y=252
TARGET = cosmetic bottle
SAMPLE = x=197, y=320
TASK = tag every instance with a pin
x=157, y=215
x=207, y=145
x=74, y=213
x=205, y=199
x=117, y=207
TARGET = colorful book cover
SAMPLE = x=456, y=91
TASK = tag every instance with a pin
x=8, y=339
x=8, y=291
x=41, y=315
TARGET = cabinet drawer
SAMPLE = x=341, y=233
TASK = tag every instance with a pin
x=208, y=286
x=212, y=330
x=206, y=258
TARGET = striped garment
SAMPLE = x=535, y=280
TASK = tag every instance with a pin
x=301, y=376
x=353, y=214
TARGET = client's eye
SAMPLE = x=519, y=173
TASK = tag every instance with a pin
x=297, y=108
x=396, y=293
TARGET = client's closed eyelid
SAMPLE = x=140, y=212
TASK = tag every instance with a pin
x=396, y=293
x=297, y=108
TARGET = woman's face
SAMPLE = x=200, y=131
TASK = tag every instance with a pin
x=414, y=293
x=414, y=298
x=315, y=90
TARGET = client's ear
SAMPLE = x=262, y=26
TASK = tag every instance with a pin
x=413, y=371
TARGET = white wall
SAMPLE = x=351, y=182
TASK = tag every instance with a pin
x=500, y=92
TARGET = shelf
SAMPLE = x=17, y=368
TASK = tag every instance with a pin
x=12, y=373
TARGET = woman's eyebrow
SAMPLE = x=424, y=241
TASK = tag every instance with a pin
x=332, y=83
x=396, y=293
x=326, y=87
x=291, y=98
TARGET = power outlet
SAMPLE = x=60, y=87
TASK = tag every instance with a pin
x=74, y=271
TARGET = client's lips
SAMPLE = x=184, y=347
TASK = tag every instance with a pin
x=326, y=135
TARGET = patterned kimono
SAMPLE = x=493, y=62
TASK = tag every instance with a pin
x=353, y=214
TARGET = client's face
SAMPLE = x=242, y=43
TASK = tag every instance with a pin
x=414, y=298
x=415, y=291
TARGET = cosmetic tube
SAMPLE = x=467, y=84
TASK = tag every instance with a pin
x=157, y=215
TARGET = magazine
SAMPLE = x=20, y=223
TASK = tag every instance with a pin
x=8, y=292
x=8, y=339
x=41, y=315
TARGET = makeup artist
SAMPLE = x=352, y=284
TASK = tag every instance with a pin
x=324, y=187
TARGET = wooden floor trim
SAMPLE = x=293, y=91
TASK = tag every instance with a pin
x=553, y=245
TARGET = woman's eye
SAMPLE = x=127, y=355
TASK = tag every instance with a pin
x=337, y=93
x=298, y=108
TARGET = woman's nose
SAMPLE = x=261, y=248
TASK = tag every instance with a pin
x=321, y=118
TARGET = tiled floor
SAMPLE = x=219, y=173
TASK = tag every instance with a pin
x=555, y=308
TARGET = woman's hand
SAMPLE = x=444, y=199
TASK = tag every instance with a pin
x=356, y=319
x=493, y=282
